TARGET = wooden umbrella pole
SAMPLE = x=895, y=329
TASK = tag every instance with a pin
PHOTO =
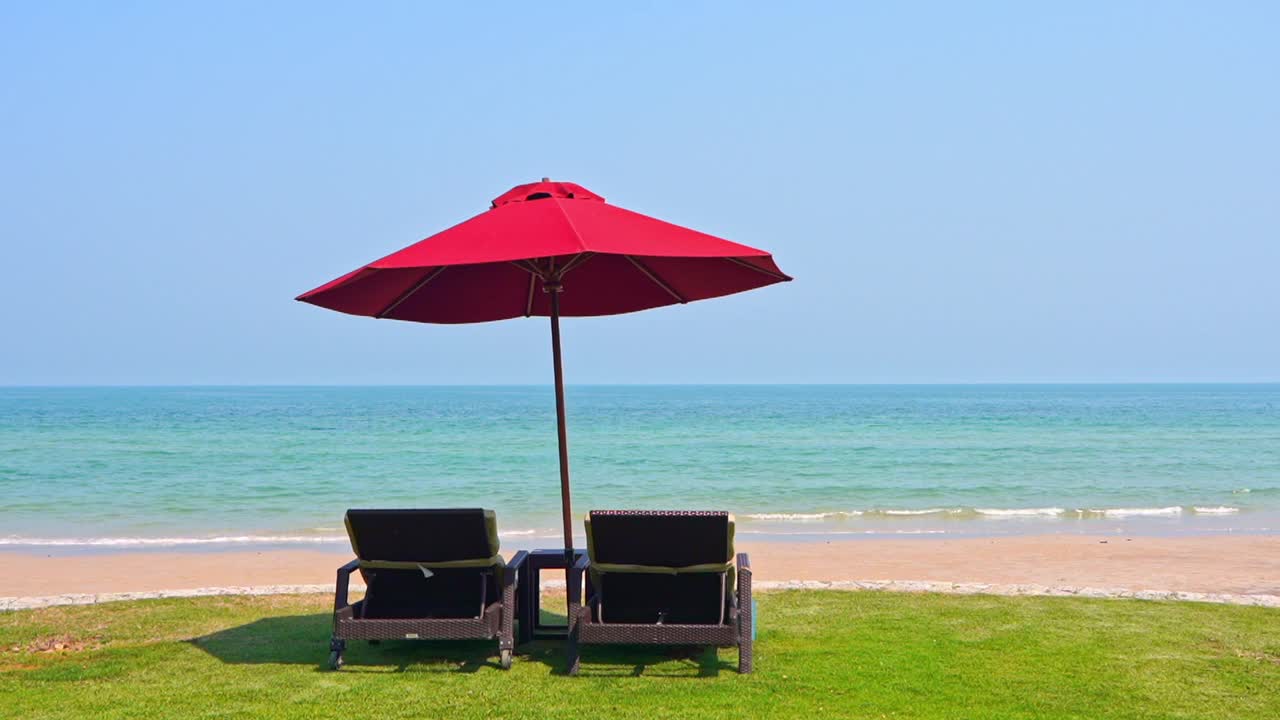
x=565, y=509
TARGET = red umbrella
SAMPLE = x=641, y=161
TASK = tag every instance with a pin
x=548, y=249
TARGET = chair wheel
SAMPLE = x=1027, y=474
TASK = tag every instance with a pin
x=504, y=659
x=335, y=660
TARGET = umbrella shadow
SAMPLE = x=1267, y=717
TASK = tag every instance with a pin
x=304, y=640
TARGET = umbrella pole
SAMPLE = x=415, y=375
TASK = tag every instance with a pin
x=565, y=510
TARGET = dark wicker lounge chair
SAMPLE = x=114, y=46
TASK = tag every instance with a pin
x=661, y=578
x=430, y=575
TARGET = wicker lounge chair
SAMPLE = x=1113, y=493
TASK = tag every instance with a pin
x=430, y=575
x=661, y=578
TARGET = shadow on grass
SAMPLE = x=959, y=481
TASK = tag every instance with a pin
x=304, y=640
x=629, y=660
x=650, y=661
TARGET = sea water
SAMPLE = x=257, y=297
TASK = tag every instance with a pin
x=230, y=466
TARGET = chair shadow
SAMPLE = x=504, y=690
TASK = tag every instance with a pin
x=304, y=640
x=623, y=660
x=615, y=661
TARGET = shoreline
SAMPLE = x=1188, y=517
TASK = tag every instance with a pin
x=10, y=604
x=801, y=527
x=1093, y=565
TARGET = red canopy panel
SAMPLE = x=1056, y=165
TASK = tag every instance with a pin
x=607, y=261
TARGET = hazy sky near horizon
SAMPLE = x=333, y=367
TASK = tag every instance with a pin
x=964, y=192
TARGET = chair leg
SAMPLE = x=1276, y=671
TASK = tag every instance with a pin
x=574, y=655
x=573, y=592
x=746, y=623
x=336, y=648
x=506, y=646
x=573, y=651
x=506, y=623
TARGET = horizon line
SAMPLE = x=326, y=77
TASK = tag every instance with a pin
x=981, y=383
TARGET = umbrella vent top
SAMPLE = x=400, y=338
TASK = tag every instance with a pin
x=543, y=190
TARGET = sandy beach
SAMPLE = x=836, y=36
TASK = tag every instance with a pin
x=1247, y=564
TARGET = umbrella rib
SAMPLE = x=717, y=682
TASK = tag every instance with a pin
x=762, y=271
x=528, y=306
x=575, y=262
x=656, y=280
x=408, y=293
x=529, y=267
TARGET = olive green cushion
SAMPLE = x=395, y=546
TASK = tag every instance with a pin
x=404, y=558
x=662, y=569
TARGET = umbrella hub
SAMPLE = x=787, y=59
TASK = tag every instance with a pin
x=544, y=190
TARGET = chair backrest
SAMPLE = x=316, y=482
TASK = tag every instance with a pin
x=659, y=538
x=423, y=536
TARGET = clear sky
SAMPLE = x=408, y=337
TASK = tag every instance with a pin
x=964, y=192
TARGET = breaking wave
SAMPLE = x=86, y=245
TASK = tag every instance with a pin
x=216, y=540
x=1021, y=512
x=999, y=513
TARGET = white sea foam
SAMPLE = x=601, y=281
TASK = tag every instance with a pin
x=1020, y=512
x=174, y=541
x=142, y=542
x=1220, y=510
x=1134, y=512
x=803, y=517
x=929, y=511
x=772, y=533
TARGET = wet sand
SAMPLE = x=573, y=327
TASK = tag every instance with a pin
x=1245, y=564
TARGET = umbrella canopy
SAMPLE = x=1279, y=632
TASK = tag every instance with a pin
x=491, y=267
x=548, y=249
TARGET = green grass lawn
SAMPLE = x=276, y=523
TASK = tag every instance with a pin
x=831, y=654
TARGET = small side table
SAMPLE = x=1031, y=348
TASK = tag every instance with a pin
x=529, y=601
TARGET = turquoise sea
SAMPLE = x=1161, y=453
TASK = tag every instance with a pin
x=214, y=466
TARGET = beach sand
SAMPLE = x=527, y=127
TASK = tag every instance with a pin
x=1245, y=564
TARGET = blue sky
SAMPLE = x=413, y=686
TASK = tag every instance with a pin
x=965, y=192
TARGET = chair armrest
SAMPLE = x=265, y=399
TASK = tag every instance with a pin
x=746, y=620
x=573, y=576
x=343, y=584
x=573, y=587
x=511, y=573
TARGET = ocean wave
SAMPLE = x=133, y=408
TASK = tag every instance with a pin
x=838, y=514
x=143, y=542
x=802, y=517
x=844, y=532
x=995, y=513
x=1134, y=512
x=1021, y=512
x=174, y=541
x=928, y=511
